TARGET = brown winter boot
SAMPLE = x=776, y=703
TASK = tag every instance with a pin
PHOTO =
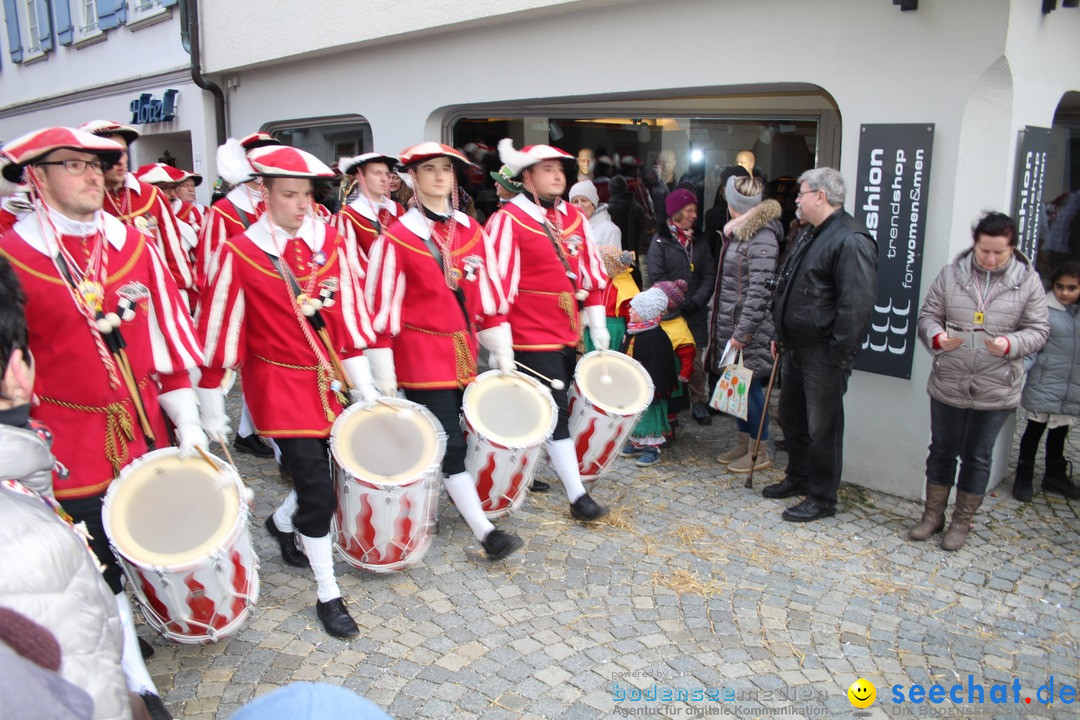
x=741, y=447
x=933, y=516
x=963, y=512
x=742, y=465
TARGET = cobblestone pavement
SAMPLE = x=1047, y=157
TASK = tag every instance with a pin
x=693, y=582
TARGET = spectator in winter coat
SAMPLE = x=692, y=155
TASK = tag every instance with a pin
x=605, y=232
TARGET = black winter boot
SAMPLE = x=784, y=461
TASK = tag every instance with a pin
x=1058, y=479
x=1021, y=490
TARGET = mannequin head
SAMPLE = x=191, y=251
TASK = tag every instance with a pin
x=745, y=159
x=586, y=161
x=667, y=164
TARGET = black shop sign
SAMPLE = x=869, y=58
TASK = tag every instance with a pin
x=1030, y=175
x=892, y=189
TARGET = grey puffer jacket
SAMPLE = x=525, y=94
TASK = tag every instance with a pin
x=741, y=302
x=50, y=575
x=1053, y=383
x=1016, y=310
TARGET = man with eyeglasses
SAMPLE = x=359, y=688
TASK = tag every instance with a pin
x=90, y=280
x=825, y=293
x=142, y=206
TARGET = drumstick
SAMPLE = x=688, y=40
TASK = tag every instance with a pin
x=555, y=384
x=133, y=390
x=405, y=411
x=605, y=376
x=334, y=359
x=207, y=458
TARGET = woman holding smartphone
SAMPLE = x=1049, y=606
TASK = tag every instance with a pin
x=984, y=312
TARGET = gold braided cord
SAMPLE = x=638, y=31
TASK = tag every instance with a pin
x=464, y=362
x=322, y=380
x=119, y=428
x=566, y=300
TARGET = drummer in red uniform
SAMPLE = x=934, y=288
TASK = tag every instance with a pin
x=552, y=273
x=112, y=340
x=166, y=179
x=274, y=283
x=142, y=206
x=432, y=286
x=363, y=219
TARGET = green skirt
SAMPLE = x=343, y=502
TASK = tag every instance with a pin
x=652, y=426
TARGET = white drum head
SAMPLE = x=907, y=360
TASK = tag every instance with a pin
x=165, y=512
x=629, y=390
x=395, y=445
x=510, y=409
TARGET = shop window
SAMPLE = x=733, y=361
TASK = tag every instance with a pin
x=656, y=154
x=327, y=138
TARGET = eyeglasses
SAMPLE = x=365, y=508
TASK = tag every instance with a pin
x=78, y=167
x=805, y=192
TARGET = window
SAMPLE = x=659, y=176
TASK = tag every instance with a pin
x=86, y=21
x=38, y=30
x=147, y=12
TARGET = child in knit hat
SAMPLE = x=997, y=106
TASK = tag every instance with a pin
x=682, y=339
x=647, y=343
x=617, y=294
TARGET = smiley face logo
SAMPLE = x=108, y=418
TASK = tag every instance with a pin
x=862, y=693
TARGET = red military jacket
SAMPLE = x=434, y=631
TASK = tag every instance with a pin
x=143, y=207
x=543, y=299
x=361, y=222
x=249, y=317
x=93, y=418
x=416, y=313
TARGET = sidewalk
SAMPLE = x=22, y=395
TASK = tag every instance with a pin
x=692, y=582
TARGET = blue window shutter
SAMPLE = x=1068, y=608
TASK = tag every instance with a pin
x=45, y=40
x=111, y=13
x=168, y=3
x=12, y=18
x=64, y=30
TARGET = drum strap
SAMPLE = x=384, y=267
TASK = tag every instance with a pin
x=244, y=219
x=570, y=274
x=436, y=255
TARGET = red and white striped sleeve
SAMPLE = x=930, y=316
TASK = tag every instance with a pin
x=346, y=227
x=354, y=308
x=506, y=256
x=216, y=229
x=221, y=319
x=169, y=241
x=492, y=291
x=174, y=344
x=384, y=289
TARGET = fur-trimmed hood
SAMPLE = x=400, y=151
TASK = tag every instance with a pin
x=747, y=226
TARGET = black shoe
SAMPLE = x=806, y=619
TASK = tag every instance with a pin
x=585, y=508
x=785, y=489
x=701, y=414
x=290, y=553
x=145, y=648
x=253, y=445
x=155, y=706
x=336, y=619
x=498, y=544
x=539, y=486
x=1061, y=485
x=669, y=440
x=806, y=511
x=1021, y=489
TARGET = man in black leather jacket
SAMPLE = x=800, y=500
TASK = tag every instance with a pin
x=822, y=307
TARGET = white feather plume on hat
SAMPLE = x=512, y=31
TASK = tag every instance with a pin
x=232, y=164
x=513, y=159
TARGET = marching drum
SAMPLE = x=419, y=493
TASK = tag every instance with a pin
x=387, y=457
x=610, y=392
x=506, y=417
x=180, y=531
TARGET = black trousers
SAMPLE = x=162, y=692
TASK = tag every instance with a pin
x=88, y=510
x=308, y=462
x=1055, y=444
x=445, y=405
x=812, y=413
x=557, y=365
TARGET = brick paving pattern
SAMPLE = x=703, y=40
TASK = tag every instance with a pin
x=692, y=582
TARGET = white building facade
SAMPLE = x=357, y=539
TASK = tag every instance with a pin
x=794, y=81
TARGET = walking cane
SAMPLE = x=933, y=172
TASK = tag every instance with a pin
x=761, y=426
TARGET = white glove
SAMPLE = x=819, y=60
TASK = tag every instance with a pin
x=212, y=413
x=499, y=342
x=359, y=371
x=596, y=317
x=183, y=409
x=381, y=362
